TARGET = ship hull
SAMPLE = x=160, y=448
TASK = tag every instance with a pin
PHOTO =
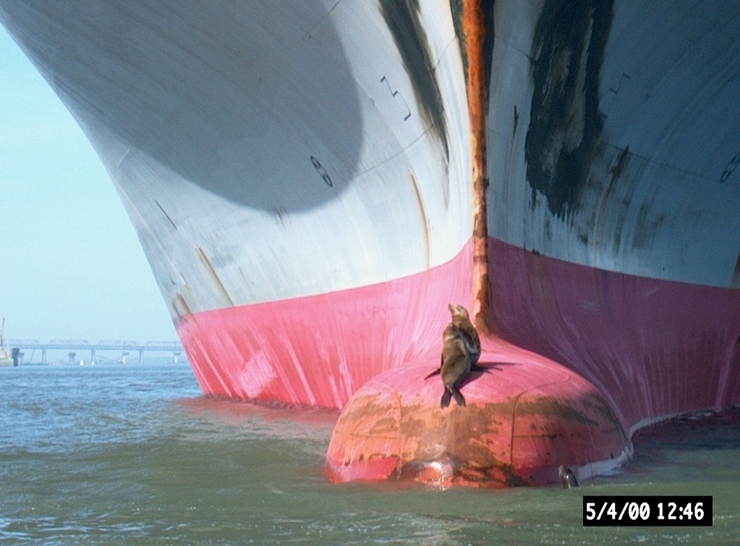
x=613, y=243
x=300, y=178
x=656, y=348
x=318, y=350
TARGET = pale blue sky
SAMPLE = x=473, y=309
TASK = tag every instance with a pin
x=71, y=266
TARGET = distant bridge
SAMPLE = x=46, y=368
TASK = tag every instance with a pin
x=72, y=345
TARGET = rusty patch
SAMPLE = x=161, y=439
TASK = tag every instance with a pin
x=471, y=446
x=538, y=270
x=180, y=306
x=366, y=409
x=459, y=447
x=423, y=436
x=206, y=262
x=475, y=32
x=385, y=426
x=554, y=408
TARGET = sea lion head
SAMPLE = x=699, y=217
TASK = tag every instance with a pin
x=458, y=310
x=567, y=477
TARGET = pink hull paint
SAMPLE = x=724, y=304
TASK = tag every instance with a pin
x=653, y=347
x=318, y=350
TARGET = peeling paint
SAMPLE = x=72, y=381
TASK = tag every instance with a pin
x=514, y=431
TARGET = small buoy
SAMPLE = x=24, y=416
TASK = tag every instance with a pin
x=523, y=417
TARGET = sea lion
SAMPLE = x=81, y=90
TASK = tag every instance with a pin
x=567, y=477
x=453, y=368
x=461, y=319
x=455, y=365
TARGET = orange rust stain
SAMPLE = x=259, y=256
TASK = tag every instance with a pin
x=206, y=262
x=423, y=216
x=474, y=31
x=460, y=447
x=562, y=410
x=514, y=442
x=538, y=267
x=180, y=306
x=552, y=429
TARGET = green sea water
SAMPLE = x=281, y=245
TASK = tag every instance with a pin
x=137, y=455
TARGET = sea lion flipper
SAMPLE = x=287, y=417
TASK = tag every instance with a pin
x=477, y=368
x=458, y=397
x=435, y=372
x=445, y=399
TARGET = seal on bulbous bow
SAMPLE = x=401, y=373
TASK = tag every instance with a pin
x=460, y=353
x=567, y=477
x=455, y=365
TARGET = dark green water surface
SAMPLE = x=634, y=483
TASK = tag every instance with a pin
x=136, y=455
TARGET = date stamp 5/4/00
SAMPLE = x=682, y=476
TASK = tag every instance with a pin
x=659, y=511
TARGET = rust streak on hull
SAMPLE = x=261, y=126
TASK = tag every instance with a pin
x=209, y=266
x=474, y=31
x=424, y=220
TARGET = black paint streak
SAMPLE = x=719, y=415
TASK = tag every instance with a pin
x=456, y=10
x=488, y=44
x=402, y=18
x=566, y=125
x=646, y=227
x=165, y=214
x=397, y=94
x=730, y=168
